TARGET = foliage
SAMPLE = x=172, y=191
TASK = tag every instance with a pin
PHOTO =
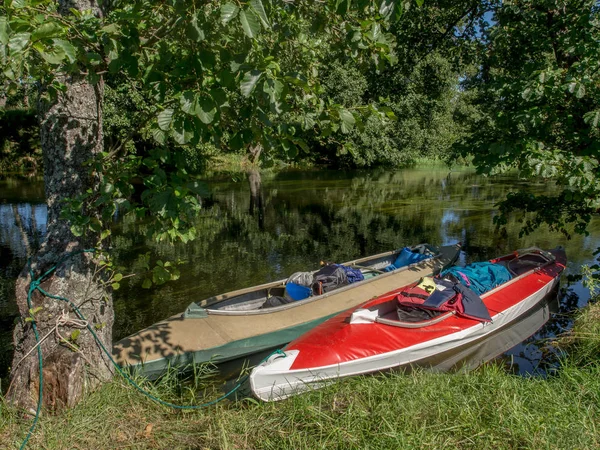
x=436, y=45
x=237, y=76
x=19, y=140
x=539, y=88
x=344, y=72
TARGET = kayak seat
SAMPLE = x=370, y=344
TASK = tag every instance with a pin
x=523, y=263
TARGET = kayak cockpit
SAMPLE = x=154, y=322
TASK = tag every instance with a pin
x=276, y=296
x=455, y=291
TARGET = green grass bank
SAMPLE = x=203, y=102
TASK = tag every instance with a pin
x=486, y=408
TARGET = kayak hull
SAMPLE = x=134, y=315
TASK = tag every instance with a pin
x=337, y=348
x=217, y=332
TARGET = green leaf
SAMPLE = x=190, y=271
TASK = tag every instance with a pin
x=220, y=97
x=34, y=311
x=46, y=30
x=419, y=2
x=112, y=28
x=189, y=104
x=76, y=230
x=53, y=56
x=342, y=6
x=160, y=275
x=259, y=9
x=193, y=30
x=298, y=80
x=95, y=225
x=347, y=119
x=147, y=283
x=207, y=109
x=250, y=23
x=273, y=87
x=4, y=31
x=375, y=32
x=118, y=277
x=302, y=144
x=159, y=135
x=386, y=9
x=164, y=119
x=290, y=149
x=580, y=91
x=69, y=50
x=75, y=335
x=228, y=12
x=183, y=130
x=249, y=82
x=592, y=118
x=207, y=59
x=18, y=42
x=115, y=286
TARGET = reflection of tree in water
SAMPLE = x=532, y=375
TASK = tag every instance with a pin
x=311, y=216
x=253, y=232
x=22, y=227
x=257, y=206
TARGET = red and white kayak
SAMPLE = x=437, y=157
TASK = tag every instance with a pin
x=372, y=338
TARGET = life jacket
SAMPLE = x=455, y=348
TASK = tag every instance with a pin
x=445, y=296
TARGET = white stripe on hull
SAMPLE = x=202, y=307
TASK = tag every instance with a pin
x=273, y=379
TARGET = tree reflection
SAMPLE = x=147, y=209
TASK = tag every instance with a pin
x=307, y=217
x=275, y=224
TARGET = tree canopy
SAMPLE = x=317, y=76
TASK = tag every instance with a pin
x=538, y=91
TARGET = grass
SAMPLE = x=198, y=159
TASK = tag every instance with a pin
x=486, y=408
x=236, y=163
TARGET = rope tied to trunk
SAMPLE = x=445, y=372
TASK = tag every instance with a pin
x=63, y=320
x=82, y=323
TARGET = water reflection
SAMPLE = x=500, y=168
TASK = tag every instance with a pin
x=22, y=227
x=256, y=230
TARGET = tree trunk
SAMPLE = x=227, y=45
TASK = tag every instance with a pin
x=71, y=134
x=254, y=153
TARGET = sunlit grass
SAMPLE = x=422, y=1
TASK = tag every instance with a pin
x=486, y=408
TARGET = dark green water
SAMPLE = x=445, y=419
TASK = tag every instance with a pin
x=299, y=219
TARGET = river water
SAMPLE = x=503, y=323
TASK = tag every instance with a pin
x=295, y=220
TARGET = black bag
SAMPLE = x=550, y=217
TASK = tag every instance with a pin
x=329, y=278
x=276, y=300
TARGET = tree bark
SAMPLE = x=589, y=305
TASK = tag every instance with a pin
x=254, y=153
x=71, y=134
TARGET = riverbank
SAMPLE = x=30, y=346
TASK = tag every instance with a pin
x=488, y=407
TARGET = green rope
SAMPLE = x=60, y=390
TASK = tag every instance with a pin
x=35, y=285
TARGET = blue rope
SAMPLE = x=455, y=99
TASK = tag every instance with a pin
x=35, y=285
